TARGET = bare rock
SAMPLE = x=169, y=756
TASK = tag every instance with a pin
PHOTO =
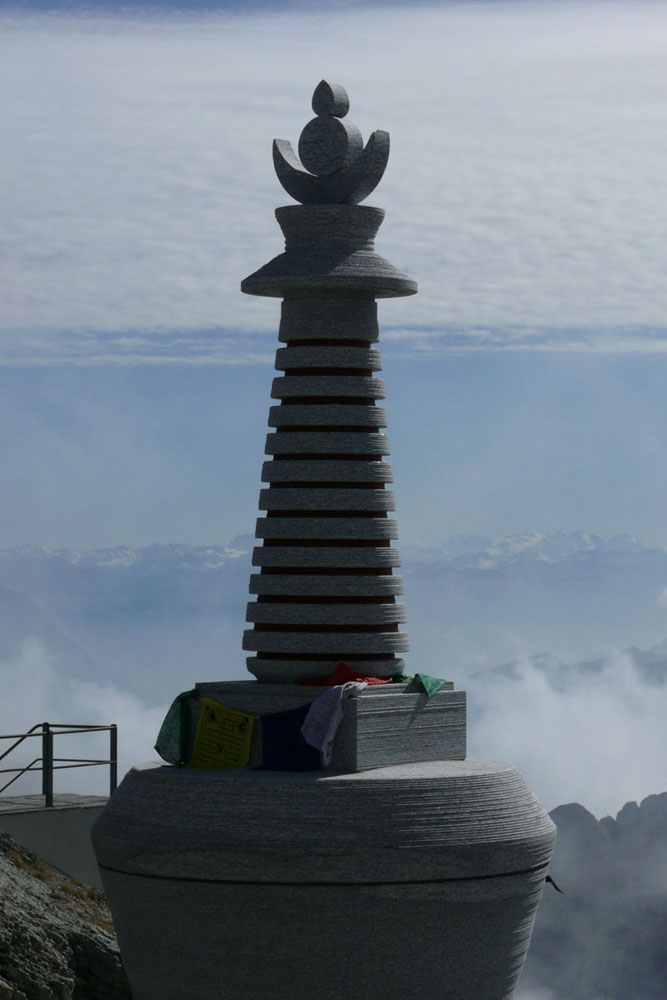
x=57, y=940
x=605, y=937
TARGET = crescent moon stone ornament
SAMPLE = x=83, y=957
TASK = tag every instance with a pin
x=339, y=169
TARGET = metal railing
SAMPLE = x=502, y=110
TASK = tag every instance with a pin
x=47, y=763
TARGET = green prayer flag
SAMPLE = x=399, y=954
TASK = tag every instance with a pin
x=172, y=738
x=430, y=684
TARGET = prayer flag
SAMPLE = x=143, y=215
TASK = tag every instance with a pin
x=283, y=746
x=223, y=736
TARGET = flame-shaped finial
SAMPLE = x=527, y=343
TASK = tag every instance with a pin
x=339, y=169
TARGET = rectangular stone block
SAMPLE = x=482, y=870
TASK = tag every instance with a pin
x=391, y=725
x=384, y=725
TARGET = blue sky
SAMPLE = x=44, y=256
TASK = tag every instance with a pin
x=488, y=443
x=526, y=193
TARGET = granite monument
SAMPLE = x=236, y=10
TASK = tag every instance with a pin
x=395, y=867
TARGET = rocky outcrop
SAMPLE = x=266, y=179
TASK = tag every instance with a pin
x=605, y=938
x=57, y=941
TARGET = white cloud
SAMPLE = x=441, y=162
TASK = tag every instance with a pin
x=523, y=190
x=600, y=741
x=40, y=694
x=533, y=994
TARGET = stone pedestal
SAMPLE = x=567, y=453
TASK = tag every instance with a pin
x=409, y=882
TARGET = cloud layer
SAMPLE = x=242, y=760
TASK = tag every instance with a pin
x=600, y=741
x=41, y=693
x=524, y=189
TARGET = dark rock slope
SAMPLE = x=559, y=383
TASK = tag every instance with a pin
x=606, y=938
x=56, y=937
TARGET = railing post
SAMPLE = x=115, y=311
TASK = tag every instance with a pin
x=113, y=758
x=45, y=729
x=47, y=763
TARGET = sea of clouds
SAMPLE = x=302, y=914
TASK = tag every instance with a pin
x=601, y=741
x=41, y=692
x=525, y=187
x=534, y=994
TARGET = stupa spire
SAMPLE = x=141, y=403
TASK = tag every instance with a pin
x=301, y=809
x=325, y=590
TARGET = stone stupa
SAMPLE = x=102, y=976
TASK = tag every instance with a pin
x=400, y=870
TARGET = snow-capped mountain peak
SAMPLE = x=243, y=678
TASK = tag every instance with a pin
x=481, y=552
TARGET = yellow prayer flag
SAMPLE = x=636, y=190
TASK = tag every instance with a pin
x=223, y=736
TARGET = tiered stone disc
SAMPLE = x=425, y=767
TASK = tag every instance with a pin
x=326, y=590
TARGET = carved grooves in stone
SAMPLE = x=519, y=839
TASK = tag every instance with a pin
x=325, y=590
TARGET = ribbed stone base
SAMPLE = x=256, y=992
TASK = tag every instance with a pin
x=430, y=941
x=409, y=882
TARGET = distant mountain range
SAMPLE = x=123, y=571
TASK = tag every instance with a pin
x=21, y=619
x=650, y=665
x=463, y=551
x=472, y=603
x=146, y=559
x=153, y=619
x=482, y=552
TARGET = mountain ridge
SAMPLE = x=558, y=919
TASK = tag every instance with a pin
x=572, y=593
x=650, y=664
x=604, y=937
x=485, y=552
x=473, y=551
x=21, y=620
x=145, y=557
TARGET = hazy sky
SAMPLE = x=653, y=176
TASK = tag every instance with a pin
x=491, y=443
x=526, y=192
